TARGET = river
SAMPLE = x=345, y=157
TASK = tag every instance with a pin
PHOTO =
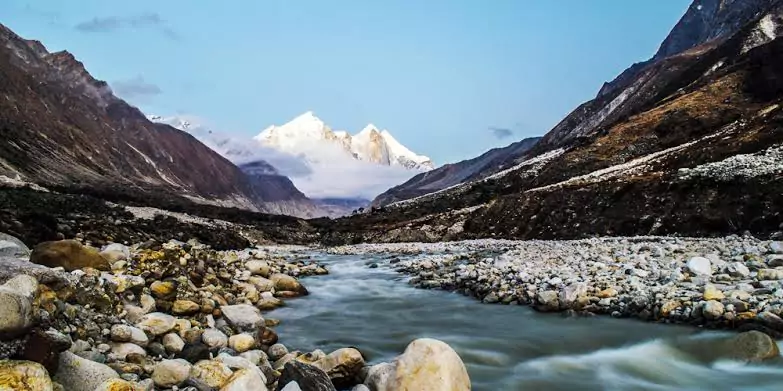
x=507, y=347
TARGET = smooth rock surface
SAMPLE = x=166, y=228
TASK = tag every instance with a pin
x=80, y=374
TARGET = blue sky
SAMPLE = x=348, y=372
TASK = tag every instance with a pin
x=449, y=78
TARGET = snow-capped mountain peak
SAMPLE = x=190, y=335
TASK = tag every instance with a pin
x=371, y=144
x=304, y=129
x=404, y=156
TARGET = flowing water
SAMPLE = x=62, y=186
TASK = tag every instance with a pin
x=507, y=347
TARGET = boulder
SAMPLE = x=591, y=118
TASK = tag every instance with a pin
x=569, y=294
x=12, y=247
x=284, y=282
x=194, y=352
x=211, y=373
x=712, y=293
x=342, y=366
x=276, y=351
x=24, y=375
x=699, y=266
x=306, y=377
x=379, y=376
x=426, y=365
x=239, y=362
x=754, y=346
x=184, y=307
x=173, y=343
x=68, y=254
x=163, y=289
x=16, y=306
x=214, y=338
x=267, y=336
x=547, y=301
x=121, y=350
x=712, y=309
x=257, y=267
x=241, y=342
x=243, y=317
x=12, y=267
x=738, y=269
x=80, y=374
x=170, y=373
x=245, y=380
x=771, y=320
x=156, y=323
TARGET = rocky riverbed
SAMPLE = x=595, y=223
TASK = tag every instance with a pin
x=177, y=316
x=732, y=282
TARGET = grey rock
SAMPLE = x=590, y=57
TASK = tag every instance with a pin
x=547, y=301
x=243, y=317
x=12, y=247
x=713, y=309
x=277, y=351
x=307, y=377
x=79, y=374
x=170, y=373
x=16, y=306
x=11, y=267
x=214, y=338
x=738, y=269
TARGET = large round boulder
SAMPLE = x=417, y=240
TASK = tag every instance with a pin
x=68, y=254
x=426, y=365
x=80, y=374
x=284, y=282
x=12, y=247
x=24, y=375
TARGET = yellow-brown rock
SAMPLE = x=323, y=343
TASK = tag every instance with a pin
x=69, y=254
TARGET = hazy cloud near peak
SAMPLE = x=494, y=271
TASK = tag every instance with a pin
x=135, y=87
x=112, y=23
x=501, y=133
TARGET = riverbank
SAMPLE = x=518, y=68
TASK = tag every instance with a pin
x=168, y=316
x=727, y=283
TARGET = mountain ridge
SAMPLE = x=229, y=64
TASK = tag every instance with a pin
x=688, y=143
x=99, y=143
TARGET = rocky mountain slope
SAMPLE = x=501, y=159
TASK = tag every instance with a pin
x=685, y=143
x=64, y=129
x=280, y=195
x=307, y=131
x=449, y=175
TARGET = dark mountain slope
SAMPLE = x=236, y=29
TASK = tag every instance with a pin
x=490, y=162
x=61, y=127
x=694, y=148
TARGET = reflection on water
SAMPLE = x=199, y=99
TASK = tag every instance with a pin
x=507, y=347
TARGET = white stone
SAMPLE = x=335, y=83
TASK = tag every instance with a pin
x=699, y=266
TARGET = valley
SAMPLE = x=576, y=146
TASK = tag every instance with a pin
x=638, y=244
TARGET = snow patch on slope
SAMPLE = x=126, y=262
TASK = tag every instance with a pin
x=633, y=167
x=763, y=33
x=767, y=162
